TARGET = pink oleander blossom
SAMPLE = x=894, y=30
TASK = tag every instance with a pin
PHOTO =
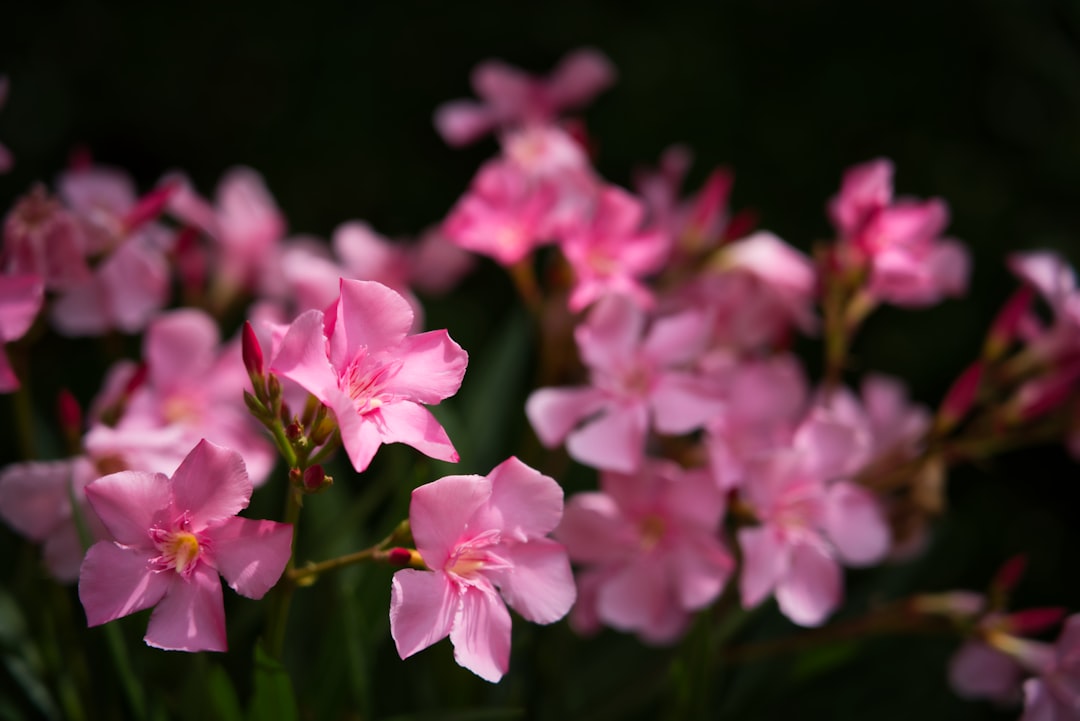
x=639, y=380
x=485, y=540
x=21, y=297
x=172, y=538
x=43, y=238
x=358, y=359
x=512, y=97
x=191, y=390
x=898, y=240
x=650, y=545
x=611, y=252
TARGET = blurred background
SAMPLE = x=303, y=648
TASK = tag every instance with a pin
x=975, y=101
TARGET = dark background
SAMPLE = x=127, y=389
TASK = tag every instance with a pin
x=975, y=101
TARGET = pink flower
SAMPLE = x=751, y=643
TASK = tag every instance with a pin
x=482, y=537
x=513, y=97
x=172, y=537
x=610, y=251
x=359, y=360
x=639, y=380
x=899, y=240
x=1054, y=693
x=21, y=297
x=650, y=542
x=43, y=238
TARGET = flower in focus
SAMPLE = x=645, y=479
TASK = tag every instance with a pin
x=358, y=359
x=482, y=537
x=172, y=538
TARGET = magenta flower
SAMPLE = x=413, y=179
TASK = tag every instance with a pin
x=482, y=537
x=21, y=297
x=358, y=359
x=651, y=544
x=172, y=538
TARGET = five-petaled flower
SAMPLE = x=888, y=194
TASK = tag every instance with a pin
x=172, y=537
x=482, y=537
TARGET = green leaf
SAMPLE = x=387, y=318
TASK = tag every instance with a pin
x=221, y=696
x=273, y=698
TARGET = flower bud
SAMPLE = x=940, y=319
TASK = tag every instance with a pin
x=315, y=479
x=252, y=353
x=1003, y=329
x=960, y=397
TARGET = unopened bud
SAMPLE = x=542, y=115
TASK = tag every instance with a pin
x=1039, y=396
x=150, y=205
x=960, y=398
x=252, y=354
x=1009, y=575
x=294, y=431
x=1033, y=621
x=322, y=432
x=403, y=557
x=69, y=413
x=1003, y=329
x=315, y=479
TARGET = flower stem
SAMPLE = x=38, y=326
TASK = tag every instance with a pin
x=277, y=616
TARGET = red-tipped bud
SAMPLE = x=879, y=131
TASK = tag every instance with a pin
x=1032, y=621
x=1003, y=329
x=960, y=397
x=1009, y=575
x=400, y=556
x=251, y=351
x=710, y=205
x=741, y=224
x=150, y=205
x=191, y=261
x=1040, y=396
x=315, y=479
x=69, y=412
x=137, y=379
x=294, y=431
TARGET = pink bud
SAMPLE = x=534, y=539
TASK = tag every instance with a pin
x=150, y=205
x=1042, y=395
x=137, y=379
x=960, y=397
x=711, y=201
x=1005, y=325
x=315, y=479
x=69, y=413
x=1010, y=573
x=251, y=351
x=1032, y=621
x=399, y=556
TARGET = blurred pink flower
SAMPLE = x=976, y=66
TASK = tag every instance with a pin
x=482, y=537
x=359, y=360
x=651, y=547
x=638, y=381
x=172, y=537
x=511, y=97
x=42, y=237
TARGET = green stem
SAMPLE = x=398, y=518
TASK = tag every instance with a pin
x=378, y=553
x=122, y=667
x=278, y=611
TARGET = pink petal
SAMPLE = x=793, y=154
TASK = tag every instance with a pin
x=412, y=424
x=1040, y=704
x=682, y=403
x=81, y=309
x=595, y=531
x=439, y=514
x=211, y=484
x=191, y=616
x=611, y=333
x=639, y=597
x=481, y=634
x=540, y=585
x=136, y=279
x=553, y=412
x=115, y=581
x=856, y=525
x=676, y=339
x=432, y=367
x=180, y=344
x=524, y=503
x=615, y=441
x=129, y=503
x=370, y=317
x=423, y=605
x=21, y=297
x=460, y=122
x=250, y=554
x=979, y=671
x=765, y=560
x=34, y=496
x=865, y=188
x=359, y=434
x=302, y=357
x=579, y=76
x=700, y=568
x=812, y=587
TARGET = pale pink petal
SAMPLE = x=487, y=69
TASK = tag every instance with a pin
x=1040, y=704
x=301, y=357
x=21, y=297
x=765, y=561
x=595, y=531
x=116, y=581
x=676, y=339
x=812, y=587
x=615, y=441
x=700, y=568
x=250, y=554
x=360, y=435
x=681, y=403
x=90, y=191
x=481, y=634
x=370, y=317
x=856, y=524
x=432, y=367
x=460, y=122
x=831, y=448
x=553, y=412
x=637, y=597
x=439, y=514
x=524, y=502
x=129, y=503
x=1047, y=272
x=180, y=344
x=136, y=279
x=505, y=87
x=191, y=616
x=580, y=76
x=864, y=188
x=422, y=608
x=692, y=496
x=211, y=484
x=979, y=671
x=34, y=496
x=412, y=424
x=540, y=586
x=611, y=333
